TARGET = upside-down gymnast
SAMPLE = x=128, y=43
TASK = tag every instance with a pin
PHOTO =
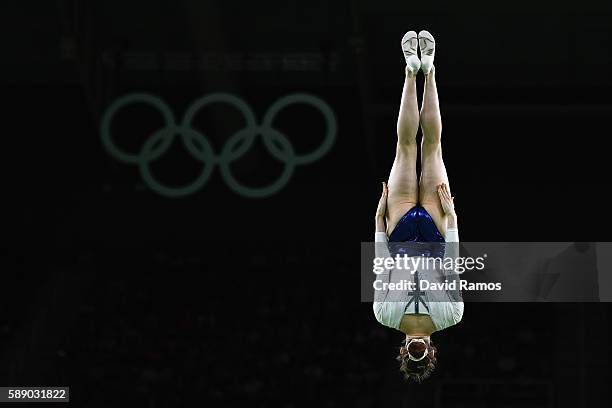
x=413, y=209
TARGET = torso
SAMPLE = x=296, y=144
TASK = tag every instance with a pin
x=417, y=324
x=417, y=225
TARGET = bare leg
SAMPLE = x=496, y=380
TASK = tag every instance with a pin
x=433, y=171
x=403, y=182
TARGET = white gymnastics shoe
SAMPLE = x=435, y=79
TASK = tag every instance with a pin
x=427, y=44
x=409, y=47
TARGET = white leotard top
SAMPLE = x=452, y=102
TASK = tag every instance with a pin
x=445, y=309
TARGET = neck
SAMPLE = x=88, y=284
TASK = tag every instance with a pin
x=417, y=336
x=417, y=325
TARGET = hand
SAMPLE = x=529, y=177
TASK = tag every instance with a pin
x=382, y=203
x=448, y=202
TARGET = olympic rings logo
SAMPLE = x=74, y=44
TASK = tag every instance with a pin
x=198, y=146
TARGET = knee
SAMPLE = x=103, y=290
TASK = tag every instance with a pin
x=406, y=135
x=432, y=128
x=432, y=136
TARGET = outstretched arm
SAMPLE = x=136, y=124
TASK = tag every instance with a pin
x=380, y=234
x=452, y=231
x=381, y=210
x=381, y=248
x=451, y=249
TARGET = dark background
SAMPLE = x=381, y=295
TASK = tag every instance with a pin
x=127, y=295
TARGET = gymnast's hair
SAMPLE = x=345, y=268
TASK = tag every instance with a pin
x=417, y=370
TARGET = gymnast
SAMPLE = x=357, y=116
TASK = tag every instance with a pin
x=418, y=210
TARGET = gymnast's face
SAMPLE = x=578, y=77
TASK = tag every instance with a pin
x=425, y=342
x=417, y=358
